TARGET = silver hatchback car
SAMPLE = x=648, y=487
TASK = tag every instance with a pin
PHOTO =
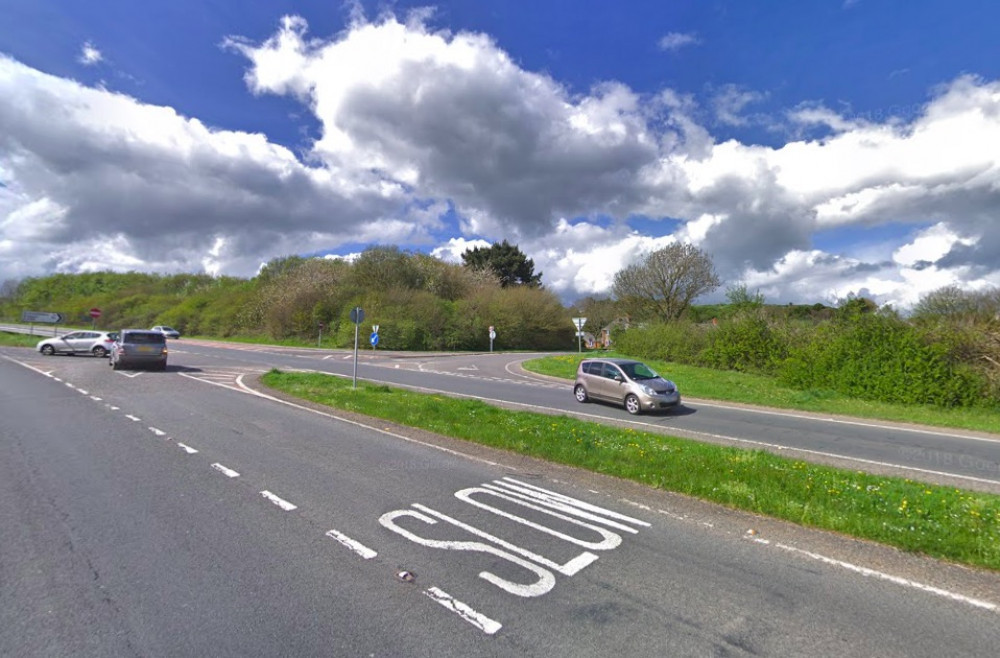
x=629, y=383
x=97, y=343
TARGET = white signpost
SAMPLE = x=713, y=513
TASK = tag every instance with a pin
x=578, y=323
x=493, y=335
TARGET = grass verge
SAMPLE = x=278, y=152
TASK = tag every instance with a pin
x=942, y=522
x=765, y=391
x=22, y=340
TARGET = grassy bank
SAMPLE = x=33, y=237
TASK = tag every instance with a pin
x=942, y=522
x=765, y=391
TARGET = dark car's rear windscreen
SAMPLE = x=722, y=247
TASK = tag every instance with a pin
x=145, y=339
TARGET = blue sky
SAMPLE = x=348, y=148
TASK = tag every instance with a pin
x=815, y=150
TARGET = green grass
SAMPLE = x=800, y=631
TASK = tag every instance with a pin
x=22, y=340
x=733, y=386
x=942, y=522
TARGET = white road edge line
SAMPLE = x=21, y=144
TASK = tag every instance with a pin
x=228, y=472
x=865, y=571
x=482, y=622
x=356, y=547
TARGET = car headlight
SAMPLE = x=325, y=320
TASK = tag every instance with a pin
x=647, y=390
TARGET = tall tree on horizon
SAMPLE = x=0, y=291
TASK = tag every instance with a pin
x=506, y=261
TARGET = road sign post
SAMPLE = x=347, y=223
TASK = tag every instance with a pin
x=493, y=335
x=319, y=341
x=357, y=317
x=94, y=314
x=578, y=323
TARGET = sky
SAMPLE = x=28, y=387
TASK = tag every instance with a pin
x=815, y=151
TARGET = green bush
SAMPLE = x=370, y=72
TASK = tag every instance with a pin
x=746, y=343
x=680, y=342
x=880, y=357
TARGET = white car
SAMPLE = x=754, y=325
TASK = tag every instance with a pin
x=97, y=343
x=169, y=332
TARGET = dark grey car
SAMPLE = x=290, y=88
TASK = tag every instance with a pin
x=139, y=348
x=632, y=384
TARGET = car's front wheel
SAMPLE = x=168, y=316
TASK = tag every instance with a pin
x=100, y=351
x=632, y=404
x=580, y=393
x=48, y=350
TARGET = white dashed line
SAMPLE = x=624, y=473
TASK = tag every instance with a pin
x=482, y=622
x=228, y=472
x=131, y=417
x=186, y=448
x=357, y=547
x=157, y=432
x=283, y=504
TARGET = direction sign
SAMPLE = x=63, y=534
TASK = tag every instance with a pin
x=373, y=339
x=357, y=315
x=95, y=312
x=41, y=316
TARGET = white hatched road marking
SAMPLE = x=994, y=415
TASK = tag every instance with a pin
x=226, y=377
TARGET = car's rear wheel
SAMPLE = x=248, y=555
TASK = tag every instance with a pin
x=48, y=350
x=100, y=351
x=632, y=404
x=580, y=393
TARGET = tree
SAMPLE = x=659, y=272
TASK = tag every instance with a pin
x=506, y=261
x=741, y=299
x=665, y=282
x=384, y=267
x=600, y=312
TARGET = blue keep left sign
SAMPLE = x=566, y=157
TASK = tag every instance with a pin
x=373, y=339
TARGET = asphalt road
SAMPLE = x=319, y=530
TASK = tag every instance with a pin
x=181, y=513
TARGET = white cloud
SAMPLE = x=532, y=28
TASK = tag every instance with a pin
x=452, y=251
x=730, y=102
x=90, y=55
x=677, y=40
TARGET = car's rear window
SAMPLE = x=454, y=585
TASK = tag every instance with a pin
x=145, y=339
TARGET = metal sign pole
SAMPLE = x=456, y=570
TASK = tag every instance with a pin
x=355, y=384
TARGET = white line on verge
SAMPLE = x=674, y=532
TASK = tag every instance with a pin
x=865, y=571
